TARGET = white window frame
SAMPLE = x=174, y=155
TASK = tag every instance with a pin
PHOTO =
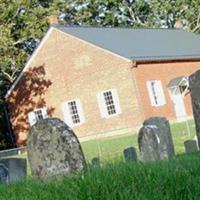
x=68, y=115
x=156, y=94
x=103, y=107
x=33, y=118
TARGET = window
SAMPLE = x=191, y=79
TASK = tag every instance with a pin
x=36, y=115
x=73, y=112
x=156, y=94
x=108, y=102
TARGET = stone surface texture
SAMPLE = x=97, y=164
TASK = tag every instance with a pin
x=155, y=140
x=4, y=173
x=194, y=84
x=130, y=154
x=190, y=146
x=17, y=168
x=53, y=149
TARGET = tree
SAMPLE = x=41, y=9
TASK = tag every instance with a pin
x=22, y=24
x=106, y=13
x=166, y=13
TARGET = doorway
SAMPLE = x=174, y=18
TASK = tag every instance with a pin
x=178, y=87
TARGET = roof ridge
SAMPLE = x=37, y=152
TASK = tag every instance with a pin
x=108, y=27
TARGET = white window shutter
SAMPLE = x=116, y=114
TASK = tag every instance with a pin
x=159, y=93
x=116, y=101
x=44, y=113
x=80, y=111
x=151, y=96
x=102, y=105
x=32, y=118
x=66, y=114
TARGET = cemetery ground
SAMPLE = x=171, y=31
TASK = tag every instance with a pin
x=178, y=178
x=111, y=148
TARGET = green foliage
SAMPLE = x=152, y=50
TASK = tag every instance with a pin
x=178, y=178
x=5, y=140
x=107, y=13
x=22, y=24
x=166, y=13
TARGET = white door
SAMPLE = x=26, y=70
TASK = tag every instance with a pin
x=178, y=102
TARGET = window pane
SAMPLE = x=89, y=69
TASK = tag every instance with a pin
x=38, y=115
x=74, y=112
x=109, y=102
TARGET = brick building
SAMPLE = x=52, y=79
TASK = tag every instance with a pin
x=105, y=80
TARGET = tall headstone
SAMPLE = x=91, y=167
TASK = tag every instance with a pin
x=194, y=85
x=130, y=154
x=53, y=149
x=155, y=140
x=190, y=146
x=4, y=174
x=16, y=167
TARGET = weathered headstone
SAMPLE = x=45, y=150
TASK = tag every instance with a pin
x=155, y=140
x=96, y=162
x=4, y=174
x=190, y=146
x=53, y=149
x=194, y=85
x=16, y=167
x=130, y=154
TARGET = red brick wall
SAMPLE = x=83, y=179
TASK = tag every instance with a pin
x=164, y=71
x=72, y=69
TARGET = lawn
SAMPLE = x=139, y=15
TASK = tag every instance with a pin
x=108, y=148
x=178, y=178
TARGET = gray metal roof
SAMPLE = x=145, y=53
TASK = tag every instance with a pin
x=141, y=44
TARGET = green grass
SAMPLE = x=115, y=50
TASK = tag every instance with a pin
x=108, y=148
x=178, y=178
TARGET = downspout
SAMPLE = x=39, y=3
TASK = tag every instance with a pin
x=138, y=97
x=8, y=123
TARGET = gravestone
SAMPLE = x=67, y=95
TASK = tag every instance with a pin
x=53, y=149
x=4, y=174
x=96, y=162
x=130, y=154
x=155, y=140
x=17, y=168
x=194, y=85
x=190, y=146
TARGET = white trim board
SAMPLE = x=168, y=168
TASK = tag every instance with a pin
x=44, y=39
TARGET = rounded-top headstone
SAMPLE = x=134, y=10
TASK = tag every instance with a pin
x=16, y=167
x=4, y=173
x=96, y=162
x=130, y=154
x=155, y=139
x=53, y=149
x=190, y=146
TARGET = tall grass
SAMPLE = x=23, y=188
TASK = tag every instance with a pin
x=178, y=179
